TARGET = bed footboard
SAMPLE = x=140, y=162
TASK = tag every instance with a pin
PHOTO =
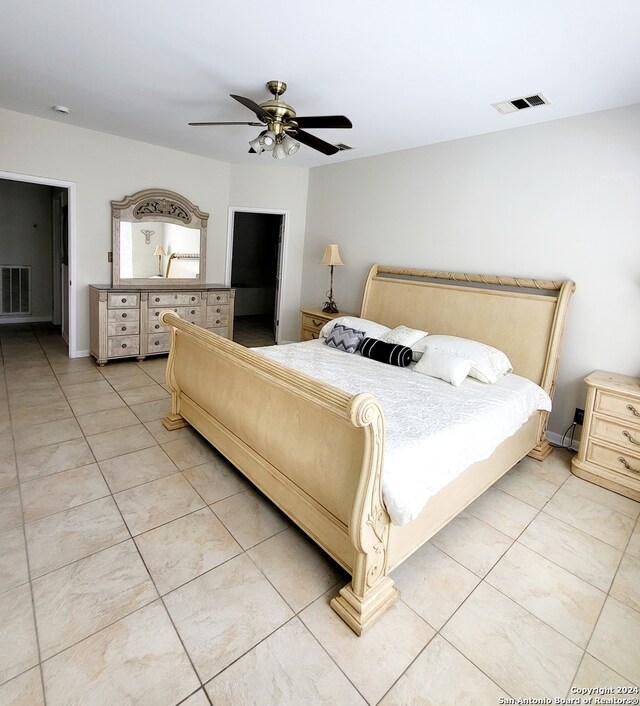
x=315, y=451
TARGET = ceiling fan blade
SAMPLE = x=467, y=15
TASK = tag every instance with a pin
x=326, y=121
x=252, y=105
x=315, y=142
x=256, y=124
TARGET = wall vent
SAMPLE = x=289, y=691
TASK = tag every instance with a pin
x=15, y=289
x=513, y=106
x=342, y=147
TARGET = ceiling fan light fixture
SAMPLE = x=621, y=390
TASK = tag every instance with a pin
x=256, y=145
x=290, y=145
x=279, y=151
x=267, y=139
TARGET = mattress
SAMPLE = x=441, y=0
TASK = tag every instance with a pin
x=433, y=431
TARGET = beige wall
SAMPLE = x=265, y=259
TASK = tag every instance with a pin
x=104, y=167
x=556, y=200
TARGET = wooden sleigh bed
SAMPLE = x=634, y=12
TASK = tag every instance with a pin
x=317, y=452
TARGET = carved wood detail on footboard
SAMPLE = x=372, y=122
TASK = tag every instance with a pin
x=328, y=480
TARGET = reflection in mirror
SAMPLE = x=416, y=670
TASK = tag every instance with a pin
x=158, y=235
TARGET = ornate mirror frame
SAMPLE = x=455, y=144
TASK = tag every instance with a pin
x=158, y=205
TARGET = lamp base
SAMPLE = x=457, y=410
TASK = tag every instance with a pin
x=330, y=307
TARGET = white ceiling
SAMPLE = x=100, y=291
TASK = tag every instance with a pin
x=407, y=73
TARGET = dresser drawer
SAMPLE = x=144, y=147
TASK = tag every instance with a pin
x=190, y=314
x=309, y=334
x=625, y=435
x=313, y=322
x=624, y=462
x=123, y=315
x=120, y=301
x=168, y=300
x=217, y=316
x=121, y=328
x=217, y=298
x=158, y=342
x=123, y=345
x=615, y=406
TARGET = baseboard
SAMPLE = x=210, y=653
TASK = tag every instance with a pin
x=25, y=319
x=81, y=354
x=556, y=440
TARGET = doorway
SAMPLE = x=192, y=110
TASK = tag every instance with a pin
x=35, y=264
x=254, y=268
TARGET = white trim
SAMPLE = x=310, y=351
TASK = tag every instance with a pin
x=556, y=439
x=282, y=251
x=9, y=319
x=71, y=225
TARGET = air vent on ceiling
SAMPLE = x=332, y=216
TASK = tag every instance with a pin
x=341, y=146
x=517, y=104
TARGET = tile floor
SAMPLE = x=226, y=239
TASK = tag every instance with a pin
x=253, y=331
x=138, y=567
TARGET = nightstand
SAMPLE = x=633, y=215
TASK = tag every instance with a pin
x=609, y=453
x=314, y=319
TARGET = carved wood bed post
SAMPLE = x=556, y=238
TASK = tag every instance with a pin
x=174, y=420
x=371, y=591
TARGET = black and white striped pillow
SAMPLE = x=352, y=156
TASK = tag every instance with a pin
x=392, y=353
x=344, y=338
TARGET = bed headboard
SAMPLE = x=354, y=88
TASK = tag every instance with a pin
x=523, y=317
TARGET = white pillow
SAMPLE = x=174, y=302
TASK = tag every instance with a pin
x=371, y=328
x=403, y=336
x=449, y=368
x=419, y=348
x=488, y=364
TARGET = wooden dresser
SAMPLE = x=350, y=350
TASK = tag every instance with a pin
x=124, y=321
x=314, y=319
x=609, y=453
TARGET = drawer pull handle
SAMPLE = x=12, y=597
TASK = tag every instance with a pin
x=218, y=297
x=193, y=311
x=124, y=345
x=623, y=461
x=157, y=326
x=314, y=335
x=157, y=299
x=631, y=439
x=124, y=328
x=217, y=321
x=193, y=299
x=633, y=410
x=124, y=300
x=317, y=323
x=124, y=316
x=156, y=343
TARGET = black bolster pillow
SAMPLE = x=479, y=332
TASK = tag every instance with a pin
x=383, y=352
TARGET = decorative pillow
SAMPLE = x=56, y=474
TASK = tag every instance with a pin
x=344, y=338
x=446, y=367
x=419, y=348
x=370, y=328
x=384, y=352
x=488, y=364
x=403, y=335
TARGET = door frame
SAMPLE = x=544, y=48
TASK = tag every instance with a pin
x=71, y=225
x=282, y=259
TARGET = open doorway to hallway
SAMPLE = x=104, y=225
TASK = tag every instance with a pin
x=257, y=242
x=34, y=255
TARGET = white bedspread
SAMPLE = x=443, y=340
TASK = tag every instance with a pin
x=433, y=430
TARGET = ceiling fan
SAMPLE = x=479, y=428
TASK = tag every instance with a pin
x=282, y=125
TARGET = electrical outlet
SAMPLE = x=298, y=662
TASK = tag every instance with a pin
x=578, y=416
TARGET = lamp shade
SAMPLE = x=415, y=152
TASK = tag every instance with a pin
x=160, y=251
x=331, y=256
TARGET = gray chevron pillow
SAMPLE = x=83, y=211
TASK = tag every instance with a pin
x=345, y=338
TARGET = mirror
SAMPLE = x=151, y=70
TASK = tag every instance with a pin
x=158, y=235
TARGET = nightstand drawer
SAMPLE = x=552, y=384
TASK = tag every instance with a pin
x=625, y=435
x=309, y=334
x=313, y=322
x=615, y=406
x=628, y=464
